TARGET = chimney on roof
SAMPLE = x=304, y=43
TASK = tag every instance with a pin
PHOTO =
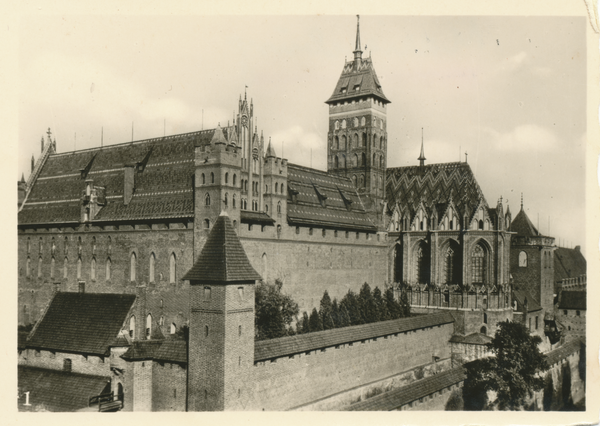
x=81, y=286
x=578, y=248
x=128, y=183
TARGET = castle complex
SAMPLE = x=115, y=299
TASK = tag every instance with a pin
x=172, y=231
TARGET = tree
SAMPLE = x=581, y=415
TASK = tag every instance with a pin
x=335, y=313
x=303, y=325
x=384, y=314
x=511, y=373
x=325, y=311
x=404, y=305
x=393, y=306
x=367, y=304
x=353, y=308
x=274, y=311
x=315, y=321
x=344, y=317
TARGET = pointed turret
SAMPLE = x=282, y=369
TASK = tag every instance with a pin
x=23, y=175
x=358, y=79
x=422, y=156
x=357, y=48
x=223, y=259
x=270, y=150
x=218, y=136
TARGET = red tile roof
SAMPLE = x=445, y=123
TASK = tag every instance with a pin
x=568, y=263
x=142, y=350
x=284, y=346
x=573, y=300
x=86, y=323
x=223, y=258
x=163, y=189
x=396, y=398
x=172, y=350
x=307, y=208
x=532, y=304
x=363, y=76
x=472, y=339
x=523, y=226
x=434, y=185
x=57, y=391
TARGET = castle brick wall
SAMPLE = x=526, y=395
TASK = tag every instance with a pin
x=141, y=385
x=35, y=292
x=169, y=387
x=289, y=382
x=92, y=365
x=310, y=264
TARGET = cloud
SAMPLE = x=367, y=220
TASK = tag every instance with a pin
x=298, y=144
x=514, y=62
x=524, y=138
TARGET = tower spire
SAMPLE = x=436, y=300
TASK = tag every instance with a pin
x=521, y=201
x=357, y=49
x=422, y=156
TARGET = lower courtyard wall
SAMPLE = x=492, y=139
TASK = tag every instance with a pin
x=289, y=382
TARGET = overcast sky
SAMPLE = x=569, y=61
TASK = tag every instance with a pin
x=510, y=91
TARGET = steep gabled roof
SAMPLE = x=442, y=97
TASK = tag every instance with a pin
x=435, y=185
x=523, y=226
x=522, y=295
x=324, y=200
x=568, y=263
x=58, y=391
x=86, y=323
x=573, y=300
x=163, y=186
x=357, y=74
x=223, y=258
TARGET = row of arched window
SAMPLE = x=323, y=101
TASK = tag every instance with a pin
x=340, y=161
x=211, y=178
x=107, y=268
x=152, y=267
x=53, y=245
x=452, y=264
x=377, y=122
x=149, y=326
x=354, y=141
x=424, y=224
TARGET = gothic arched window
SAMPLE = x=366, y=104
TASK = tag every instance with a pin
x=207, y=199
x=344, y=142
x=172, y=268
x=336, y=142
x=151, y=267
x=422, y=263
x=523, y=259
x=478, y=265
x=453, y=263
x=132, y=267
x=108, y=269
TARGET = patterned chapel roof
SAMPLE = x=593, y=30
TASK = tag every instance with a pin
x=223, y=258
x=163, y=189
x=321, y=199
x=435, y=185
x=85, y=323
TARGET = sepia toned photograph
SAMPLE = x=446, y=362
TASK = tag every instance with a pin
x=339, y=212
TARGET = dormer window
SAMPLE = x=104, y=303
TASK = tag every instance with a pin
x=356, y=87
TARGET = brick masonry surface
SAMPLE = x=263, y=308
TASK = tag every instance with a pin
x=291, y=382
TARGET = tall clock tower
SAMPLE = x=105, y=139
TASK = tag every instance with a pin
x=357, y=138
